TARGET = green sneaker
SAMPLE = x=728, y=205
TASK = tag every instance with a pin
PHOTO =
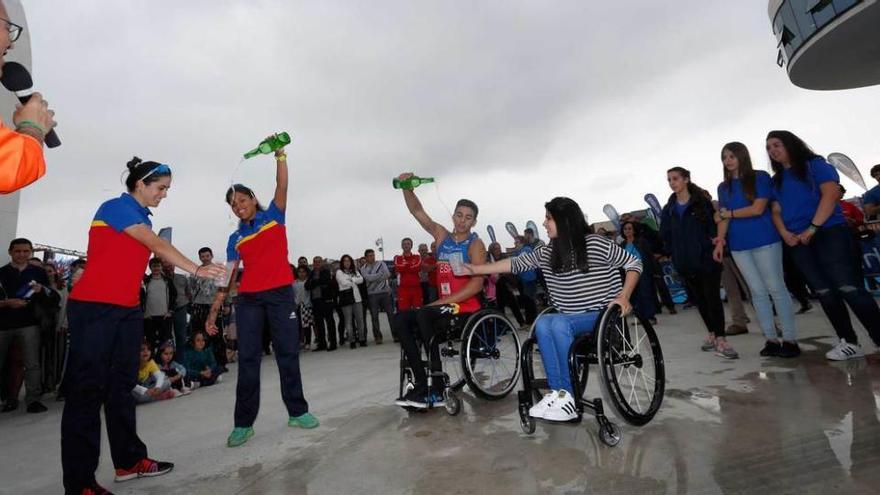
x=239, y=436
x=306, y=421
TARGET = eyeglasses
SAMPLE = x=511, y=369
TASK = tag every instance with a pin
x=14, y=30
x=159, y=169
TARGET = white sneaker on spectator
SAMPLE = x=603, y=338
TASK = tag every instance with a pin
x=185, y=390
x=562, y=409
x=538, y=410
x=844, y=350
x=219, y=379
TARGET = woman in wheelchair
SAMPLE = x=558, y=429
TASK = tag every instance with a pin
x=582, y=272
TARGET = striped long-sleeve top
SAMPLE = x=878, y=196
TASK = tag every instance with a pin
x=576, y=291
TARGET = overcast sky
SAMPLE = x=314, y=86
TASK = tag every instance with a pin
x=509, y=103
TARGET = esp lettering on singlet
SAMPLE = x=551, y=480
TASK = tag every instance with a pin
x=447, y=282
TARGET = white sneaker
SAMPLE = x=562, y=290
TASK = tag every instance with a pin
x=562, y=409
x=538, y=410
x=843, y=351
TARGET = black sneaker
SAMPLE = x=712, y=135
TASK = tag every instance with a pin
x=353, y=345
x=36, y=407
x=11, y=405
x=789, y=349
x=805, y=308
x=417, y=397
x=771, y=348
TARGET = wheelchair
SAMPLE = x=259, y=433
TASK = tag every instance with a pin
x=479, y=350
x=631, y=368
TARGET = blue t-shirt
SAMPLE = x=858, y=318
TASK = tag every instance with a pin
x=679, y=208
x=872, y=196
x=530, y=275
x=633, y=250
x=751, y=232
x=800, y=198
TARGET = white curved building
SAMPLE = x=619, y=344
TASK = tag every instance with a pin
x=828, y=44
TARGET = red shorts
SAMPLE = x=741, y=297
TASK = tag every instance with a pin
x=409, y=298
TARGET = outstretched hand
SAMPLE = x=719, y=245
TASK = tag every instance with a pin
x=211, y=271
x=463, y=269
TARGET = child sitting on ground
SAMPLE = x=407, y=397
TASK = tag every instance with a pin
x=174, y=372
x=151, y=384
x=201, y=367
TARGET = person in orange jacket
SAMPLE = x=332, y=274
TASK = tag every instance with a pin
x=21, y=149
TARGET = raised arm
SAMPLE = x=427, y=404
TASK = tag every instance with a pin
x=437, y=231
x=281, y=179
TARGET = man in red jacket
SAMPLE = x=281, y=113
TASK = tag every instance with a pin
x=408, y=266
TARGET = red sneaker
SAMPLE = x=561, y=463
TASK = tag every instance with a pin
x=95, y=489
x=144, y=468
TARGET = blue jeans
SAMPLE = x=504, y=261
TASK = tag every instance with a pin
x=829, y=266
x=273, y=307
x=762, y=269
x=555, y=334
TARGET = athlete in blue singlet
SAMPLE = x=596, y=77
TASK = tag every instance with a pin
x=457, y=247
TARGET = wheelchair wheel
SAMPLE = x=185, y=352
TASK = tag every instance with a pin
x=546, y=311
x=490, y=349
x=526, y=422
x=631, y=365
x=450, y=359
x=453, y=402
x=609, y=433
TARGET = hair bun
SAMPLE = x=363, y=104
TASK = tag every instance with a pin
x=134, y=162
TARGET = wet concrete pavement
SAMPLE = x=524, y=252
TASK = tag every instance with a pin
x=753, y=425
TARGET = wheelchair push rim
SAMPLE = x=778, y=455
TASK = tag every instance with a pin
x=490, y=355
x=631, y=365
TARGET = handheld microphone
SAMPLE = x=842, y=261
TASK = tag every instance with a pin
x=17, y=79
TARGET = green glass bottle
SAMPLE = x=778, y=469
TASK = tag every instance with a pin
x=411, y=183
x=269, y=145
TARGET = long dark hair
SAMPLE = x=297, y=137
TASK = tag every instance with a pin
x=746, y=171
x=798, y=156
x=635, y=231
x=241, y=188
x=353, y=267
x=700, y=201
x=569, y=248
x=149, y=172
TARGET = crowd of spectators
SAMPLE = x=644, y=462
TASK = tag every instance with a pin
x=742, y=243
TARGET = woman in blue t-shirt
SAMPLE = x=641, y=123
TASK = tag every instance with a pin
x=755, y=245
x=809, y=219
